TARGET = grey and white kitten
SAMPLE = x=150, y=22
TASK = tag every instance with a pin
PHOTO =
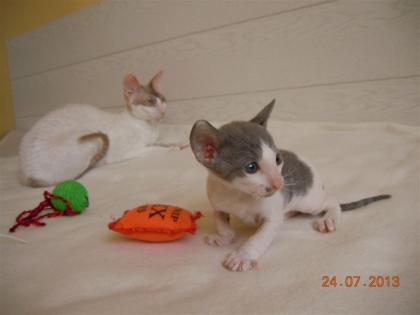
x=69, y=141
x=251, y=178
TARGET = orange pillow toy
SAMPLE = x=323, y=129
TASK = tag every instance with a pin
x=156, y=223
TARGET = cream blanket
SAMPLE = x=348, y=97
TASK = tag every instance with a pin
x=75, y=265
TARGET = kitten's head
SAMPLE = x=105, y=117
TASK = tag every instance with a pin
x=144, y=101
x=242, y=154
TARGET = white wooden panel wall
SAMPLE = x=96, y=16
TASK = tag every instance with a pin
x=119, y=25
x=345, y=60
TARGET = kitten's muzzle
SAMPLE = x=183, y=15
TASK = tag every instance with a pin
x=276, y=184
x=270, y=191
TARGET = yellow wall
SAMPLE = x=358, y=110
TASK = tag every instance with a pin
x=17, y=17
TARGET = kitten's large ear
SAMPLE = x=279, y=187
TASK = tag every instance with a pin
x=264, y=114
x=204, y=142
x=131, y=88
x=155, y=82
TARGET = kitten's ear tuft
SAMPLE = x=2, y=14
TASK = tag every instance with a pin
x=155, y=83
x=131, y=86
x=204, y=142
x=264, y=114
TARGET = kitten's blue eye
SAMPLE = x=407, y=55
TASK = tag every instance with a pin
x=278, y=159
x=251, y=168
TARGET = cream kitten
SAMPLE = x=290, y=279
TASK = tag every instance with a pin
x=69, y=141
x=253, y=180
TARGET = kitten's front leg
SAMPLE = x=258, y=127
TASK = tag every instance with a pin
x=225, y=234
x=246, y=257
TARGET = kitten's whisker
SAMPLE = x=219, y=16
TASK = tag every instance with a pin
x=293, y=183
x=291, y=172
x=13, y=238
x=286, y=189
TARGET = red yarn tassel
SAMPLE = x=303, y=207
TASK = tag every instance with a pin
x=197, y=215
x=28, y=217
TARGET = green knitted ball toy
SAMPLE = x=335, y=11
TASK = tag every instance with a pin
x=74, y=192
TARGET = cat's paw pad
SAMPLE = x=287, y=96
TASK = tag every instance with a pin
x=235, y=261
x=325, y=225
x=218, y=240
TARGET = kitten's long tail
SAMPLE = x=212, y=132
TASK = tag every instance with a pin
x=362, y=202
x=101, y=152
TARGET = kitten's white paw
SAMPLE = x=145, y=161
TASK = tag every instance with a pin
x=325, y=225
x=218, y=240
x=236, y=261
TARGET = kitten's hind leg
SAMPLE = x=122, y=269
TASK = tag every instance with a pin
x=225, y=233
x=58, y=157
x=329, y=221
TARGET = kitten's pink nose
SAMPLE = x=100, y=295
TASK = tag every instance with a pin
x=276, y=183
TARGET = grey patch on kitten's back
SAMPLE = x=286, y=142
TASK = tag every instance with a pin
x=239, y=144
x=298, y=177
